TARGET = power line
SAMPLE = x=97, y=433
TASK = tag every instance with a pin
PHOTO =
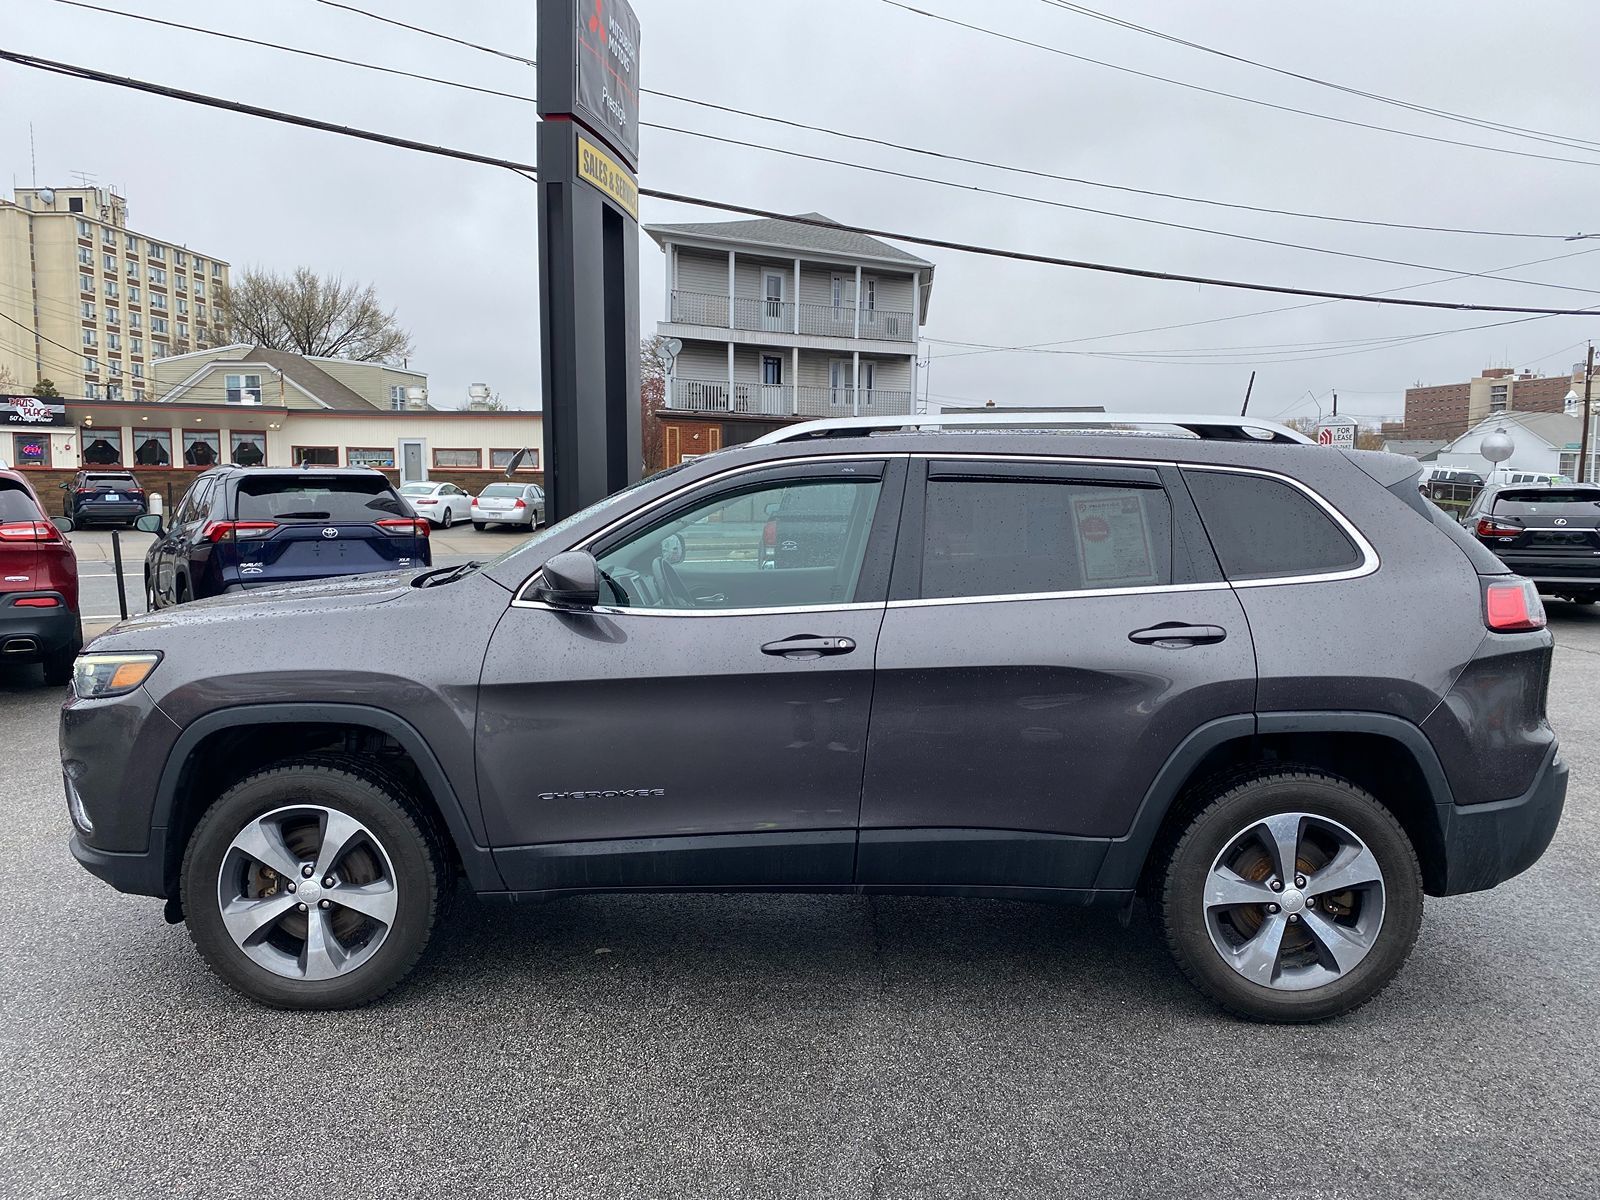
x=1555, y=139
x=431, y=33
x=73, y=71
x=844, y=134
x=990, y=348
x=1195, y=87
x=1102, y=212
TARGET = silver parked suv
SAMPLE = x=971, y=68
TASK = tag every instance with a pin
x=1262, y=684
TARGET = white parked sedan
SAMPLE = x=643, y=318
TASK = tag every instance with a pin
x=442, y=503
x=509, y=504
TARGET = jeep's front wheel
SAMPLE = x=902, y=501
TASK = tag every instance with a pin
x=312, y=885
x=1292, y=897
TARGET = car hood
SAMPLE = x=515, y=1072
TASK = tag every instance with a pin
x=303, y=599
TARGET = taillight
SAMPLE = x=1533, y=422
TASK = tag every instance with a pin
x=404, y=526
x=29, y=531
x=769, y=534
x=425, y=502
x=229, y=531
x=38, y=602
x=520, y=504
x=86, y=492
x=1512, y=604
x=1489, y=527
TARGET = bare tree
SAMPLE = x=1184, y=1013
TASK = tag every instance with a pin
x=312, y=314
x=652, y=395
x=8, y=381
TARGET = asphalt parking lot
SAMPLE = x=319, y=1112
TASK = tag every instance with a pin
x=795, y=1046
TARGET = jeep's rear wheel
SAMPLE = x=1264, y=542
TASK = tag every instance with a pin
x=312, y=885
x=1292, y=897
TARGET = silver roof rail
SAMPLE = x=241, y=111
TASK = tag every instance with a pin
x=1249, y=429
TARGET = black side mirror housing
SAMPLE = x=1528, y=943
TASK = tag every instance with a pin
x=148, y=523
x=570, y=580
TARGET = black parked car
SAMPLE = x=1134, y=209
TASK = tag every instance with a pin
x=1264, y=685
x=104, y=497
x=239, y=528
x=1550, y=533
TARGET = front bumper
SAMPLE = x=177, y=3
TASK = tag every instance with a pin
x=139, y=874
x=1486, y=844
x=29, y=634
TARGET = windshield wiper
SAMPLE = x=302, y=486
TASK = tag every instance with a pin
x=450, y=574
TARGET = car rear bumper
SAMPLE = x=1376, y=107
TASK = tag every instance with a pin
x=123, y=510
x=1554, y=573
x=1486, y=844
x=503, y=516
x=29, y=634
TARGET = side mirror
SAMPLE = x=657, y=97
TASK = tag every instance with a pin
x=570, y=580
x=62, y=523
x=64, y=486
x=148, y=523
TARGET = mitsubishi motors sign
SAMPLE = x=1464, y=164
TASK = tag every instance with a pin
x=30, y=412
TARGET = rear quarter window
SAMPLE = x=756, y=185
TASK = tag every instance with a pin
x=1263, y=528
x=16, y=504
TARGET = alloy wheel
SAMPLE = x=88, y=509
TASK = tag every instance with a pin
x=307, y=892
x=1294, y=901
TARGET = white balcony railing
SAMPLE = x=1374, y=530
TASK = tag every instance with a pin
x=784, y=316
x=783, y=399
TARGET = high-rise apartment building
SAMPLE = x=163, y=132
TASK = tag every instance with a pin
x=89, y=304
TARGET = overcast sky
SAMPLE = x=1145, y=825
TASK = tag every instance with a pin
x=450, y=245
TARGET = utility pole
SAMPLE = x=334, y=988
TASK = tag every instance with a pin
x=1583, y=435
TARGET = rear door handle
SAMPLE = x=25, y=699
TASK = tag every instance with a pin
x=806, y=646
x=1175, y=636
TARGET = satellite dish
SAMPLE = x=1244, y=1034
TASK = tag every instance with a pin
x=47, y=195
x=673, y=347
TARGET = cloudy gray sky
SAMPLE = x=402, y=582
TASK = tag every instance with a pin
x=451, y=245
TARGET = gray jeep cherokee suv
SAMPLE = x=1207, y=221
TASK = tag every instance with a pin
x=1263, y=684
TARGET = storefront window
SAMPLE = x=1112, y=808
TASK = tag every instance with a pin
x=102, y=447
x=152, y=448
x=470, y=459
x=357, y=456
x=30, y=450
x=201, y=448
x=501, y=459
x=316, y=456
x=249, y=449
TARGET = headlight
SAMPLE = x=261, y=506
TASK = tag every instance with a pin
x=98, y=675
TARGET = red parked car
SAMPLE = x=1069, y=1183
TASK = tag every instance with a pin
x=38, y=584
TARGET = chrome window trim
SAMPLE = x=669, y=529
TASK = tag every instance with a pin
x=1369, y=564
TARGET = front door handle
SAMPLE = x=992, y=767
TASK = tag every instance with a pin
x=1173, y=635
x=806, y=646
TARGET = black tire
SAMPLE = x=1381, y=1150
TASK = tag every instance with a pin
x=1215, y=825
x=378, y=802
x=58, y=667
x=480, y=526
x=448, y=519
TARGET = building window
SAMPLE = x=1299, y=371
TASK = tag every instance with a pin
x=111, y=288
x=109, y=261
x=114, y=369
x=88, y=311
x=201, y=448
x=30, y=449
x=91, y=366
x=249, y=449
x=114, y=341
x=501, y=459
x=183, y=307
x=183, y=331
x=181, y=283
x=90, y=337
x=138, y=368
x=152, y=447
x=158, y=251
x=199, y=290
x=157, y=276
x=131, y=242
x=368, y=456
x=113, y=390
x=138, y=395
x=242, y=389
x=74, y=203
x=102, y=447
x=135, y=321
x=91, y=391
x=469, y=460
x=397, y=397
x=86, y=283
x=199, y=266
x=158, y=324
x=85, y=229
x=179, y=258
x=86, y=256
x=108, y=235
x=158, y=349
x=216, y=270
x=133, y=293
x=158, y=302
x=133, y=268
x=315, y=456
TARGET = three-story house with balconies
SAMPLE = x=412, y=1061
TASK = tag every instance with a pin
x=783, y=321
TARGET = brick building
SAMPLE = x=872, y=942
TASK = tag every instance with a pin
x=1446, y=411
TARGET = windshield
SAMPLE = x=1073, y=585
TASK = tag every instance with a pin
x=351, y=500
x=561, y=526
x=502, y=489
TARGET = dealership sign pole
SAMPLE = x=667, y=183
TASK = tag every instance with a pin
x=589, y=249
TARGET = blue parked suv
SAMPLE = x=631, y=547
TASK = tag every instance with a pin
x=111, y=497
x=241, y=528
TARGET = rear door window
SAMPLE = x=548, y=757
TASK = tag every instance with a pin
x=1013, y=536
x=1264, y=528
x=289, y=499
